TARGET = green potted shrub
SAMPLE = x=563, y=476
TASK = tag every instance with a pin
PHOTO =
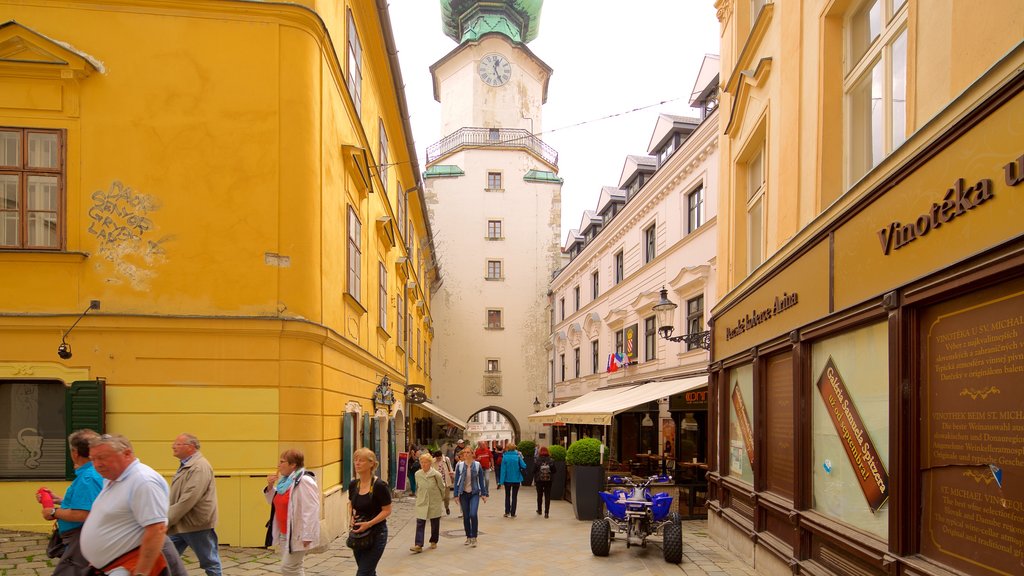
x=586, y=478
x=527, y=448
x=557, y=454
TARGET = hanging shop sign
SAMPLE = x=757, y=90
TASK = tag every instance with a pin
x=631, y=343
x=867, y=466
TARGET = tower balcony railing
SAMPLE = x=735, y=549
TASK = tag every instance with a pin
x=492, y=137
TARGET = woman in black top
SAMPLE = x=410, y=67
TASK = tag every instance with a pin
x=369, y=507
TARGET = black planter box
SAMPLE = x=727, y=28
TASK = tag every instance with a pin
x=585, y=483
x=558, y=480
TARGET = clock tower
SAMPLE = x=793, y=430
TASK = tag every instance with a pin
x=494, y=199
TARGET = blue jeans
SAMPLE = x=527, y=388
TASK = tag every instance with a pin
x=204, y=545
x=366, y=560
x=470, y=506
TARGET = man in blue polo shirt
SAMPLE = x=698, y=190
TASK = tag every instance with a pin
x=76, y=504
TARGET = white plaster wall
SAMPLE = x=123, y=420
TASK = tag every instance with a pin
x=684, y=264
x=530, y=214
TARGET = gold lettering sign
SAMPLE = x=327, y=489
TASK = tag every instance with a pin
x=867, y=466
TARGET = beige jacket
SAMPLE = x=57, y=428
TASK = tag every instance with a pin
x=193, y=497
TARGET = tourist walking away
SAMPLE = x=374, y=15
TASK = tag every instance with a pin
x=483, y=456
x=192, y=515
x=294, y=499
x=430, y=496
x=444, y=467
x=512, y=468
x=71, y=511
x=543, y=474
x=126, y=528
x=471, y=485
x=414, y=465
x=496, y=455
x=369, y=507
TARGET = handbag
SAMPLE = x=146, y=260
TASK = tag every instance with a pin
x=55, y=547
x=361, y=540
x=365, y=539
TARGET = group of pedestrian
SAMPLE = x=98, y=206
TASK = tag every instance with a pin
x=469, y=484
x=119, y=516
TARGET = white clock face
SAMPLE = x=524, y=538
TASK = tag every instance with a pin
x=495, y=69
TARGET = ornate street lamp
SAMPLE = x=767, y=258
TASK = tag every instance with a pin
x=665, y=309
x=536, y=404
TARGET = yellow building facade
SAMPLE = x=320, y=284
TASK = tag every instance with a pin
x=866, y=345
x=236, y=184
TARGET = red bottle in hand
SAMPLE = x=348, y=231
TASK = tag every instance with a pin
x=45, y=498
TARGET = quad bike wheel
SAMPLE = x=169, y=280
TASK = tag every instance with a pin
x=600, y=537
x=672, y=543
x=675, y=518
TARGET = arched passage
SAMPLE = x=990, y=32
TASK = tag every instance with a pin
x=494, y=425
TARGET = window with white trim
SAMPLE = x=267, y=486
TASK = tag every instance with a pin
x=755, y=210
x=494, y=271
x=355, y=254
x=875, y=83
x=694, y=209
x=650, y=242
x=355, y=65
x=382, y=279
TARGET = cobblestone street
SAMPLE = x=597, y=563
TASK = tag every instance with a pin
x=529, y=544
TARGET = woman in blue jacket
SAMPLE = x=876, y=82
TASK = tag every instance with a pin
x=512, y=467
x=470, y=486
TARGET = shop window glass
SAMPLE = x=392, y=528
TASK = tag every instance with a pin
x=34, y=437
x=859, y=360
x=741, y=423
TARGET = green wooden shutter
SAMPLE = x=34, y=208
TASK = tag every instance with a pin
x=84, y=407
x=366, y=430
x=348, y=421
x=392, y=453
x=375, y=434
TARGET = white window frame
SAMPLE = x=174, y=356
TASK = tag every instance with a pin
x=355, y=254
x=355, y=65
x=695, y=209
x=879, y=67
x=756, y=191
x=382, y=278
x=650, y=238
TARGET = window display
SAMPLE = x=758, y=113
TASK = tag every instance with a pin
x=850, y=428
x=741, y=426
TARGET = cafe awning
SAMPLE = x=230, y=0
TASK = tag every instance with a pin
x=603, y=409
x=550, y=415
x=437, y=411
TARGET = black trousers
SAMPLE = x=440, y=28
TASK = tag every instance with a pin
x=511, y=497
x=543, y=496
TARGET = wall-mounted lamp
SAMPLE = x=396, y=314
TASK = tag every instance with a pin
x=665, y=309
x=536, y=404
x=64, y=350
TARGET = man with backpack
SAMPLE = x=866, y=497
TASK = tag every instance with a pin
x=544, y=474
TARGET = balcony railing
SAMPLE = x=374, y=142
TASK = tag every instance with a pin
x=488, y=137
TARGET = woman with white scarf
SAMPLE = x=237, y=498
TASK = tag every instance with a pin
x=294, y=500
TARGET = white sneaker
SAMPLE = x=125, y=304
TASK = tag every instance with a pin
x=474, y=543
x=467, y=542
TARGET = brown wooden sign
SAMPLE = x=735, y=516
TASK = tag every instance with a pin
x=972, y=431
x=868, y=467
x=744, y=420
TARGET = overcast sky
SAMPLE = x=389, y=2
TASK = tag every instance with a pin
x=608, y=56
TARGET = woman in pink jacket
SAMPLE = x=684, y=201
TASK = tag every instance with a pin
x=294, y=500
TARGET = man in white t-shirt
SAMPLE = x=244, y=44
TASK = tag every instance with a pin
x=126, y=528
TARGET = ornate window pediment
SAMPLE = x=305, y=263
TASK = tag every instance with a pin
x=592, y=325
x=24, y=50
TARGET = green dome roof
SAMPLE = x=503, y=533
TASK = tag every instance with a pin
x=468, y=20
